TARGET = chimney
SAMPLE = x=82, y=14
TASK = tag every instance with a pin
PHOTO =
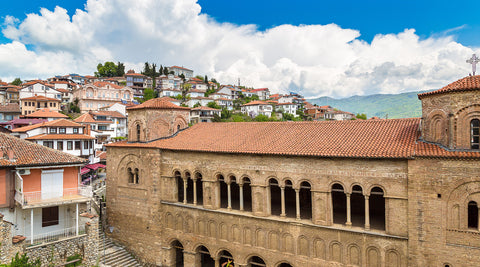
x=87, y=129
x=10, y=154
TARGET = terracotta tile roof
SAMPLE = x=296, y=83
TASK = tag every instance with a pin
x=113, y=114
x=40, y=98
x=135, y=74
x=27, y=153
x=177, y=67
x=468, y=83
x=157, y=103
x=60, y=137
x=257, y=102
x=61, y=90
x=259, y=89
x=3, y=83
x=423, y=149
x=13, y=88
x=104, y=85
x=55, y=123
x=101, y=154
x=46, y=113
x=393, y=138
x=85, y=118
x=10, y=107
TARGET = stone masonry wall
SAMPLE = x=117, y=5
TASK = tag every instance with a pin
x=8, y=250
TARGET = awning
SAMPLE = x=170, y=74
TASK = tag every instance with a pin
x=95, y=166
x=84, y=170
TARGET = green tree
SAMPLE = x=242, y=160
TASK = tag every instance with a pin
x=16, y=82
x=185, y=95
x=262, y=117
x=197, y=105
x=213, y=104
x=22, y=261
x=226, y=114
x=109, y=69
x=361, y=116
x=148, y=94
x=120, y=69
x=199, y=77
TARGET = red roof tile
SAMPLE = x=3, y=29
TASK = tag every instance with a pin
x=157, y=103
x=359, y=139
x=27, y=153
x=40, y=98
x=468, y=83
x=10, y=107
x=113, y=114
x=85, y=118
x=55, y=123
x=257, y=102
x=205, y=108
x=177, y=67
x=104, y=85
x=46, y=113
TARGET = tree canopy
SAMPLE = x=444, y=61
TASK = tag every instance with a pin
x=16, y=82
x=110, y=69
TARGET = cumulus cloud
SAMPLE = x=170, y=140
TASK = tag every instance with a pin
x=311, y=59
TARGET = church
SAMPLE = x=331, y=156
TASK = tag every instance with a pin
x=385, y=192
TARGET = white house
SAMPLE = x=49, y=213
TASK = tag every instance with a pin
x=63, y=135
x=181, y=70
x=256, y=108
x=118, y=107
x=289, y=108
x=39, y=88
x=200, y=99
x=224, y=103
x=339, y=115
x=263, y=93
x=203, y=114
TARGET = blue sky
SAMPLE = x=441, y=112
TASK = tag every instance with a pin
x=428, y=18
x=334, y=48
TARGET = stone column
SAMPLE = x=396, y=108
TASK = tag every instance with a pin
x=241, y=197
x=229, y=196
x=190, y=258
x=283, y=214
x=349, y=211
x=195, y=192
x=217, y=260
x=297, y=198
x=184, y=191
x=367, y=212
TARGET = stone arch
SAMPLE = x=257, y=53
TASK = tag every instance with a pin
x=260, y=238
x=288, y=243
x=373, y=257
x=393, y=258
x=319, y=249
x=201, y=227
x=274, y=196
x=169, y=220
x=457, y=204
x=247, y=236
x=180, y=123
x=250, y=257
x=354, y=255
x=179, y=222
x=128, y=161
x=136, y=132
x=303, y=246
x=436, y=127
x=290, y=199
x=223, y=231
x=236, y=233
x=189, y=225
x=357, y=203
x=273, y=240
x=370, y=187
x=336, y=251
x=212, y=229
x=159, y=128
x=462, y=122
x=224, y=255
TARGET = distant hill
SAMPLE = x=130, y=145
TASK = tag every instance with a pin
x=405, y=105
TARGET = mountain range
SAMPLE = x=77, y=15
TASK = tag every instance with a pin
x=392, y=106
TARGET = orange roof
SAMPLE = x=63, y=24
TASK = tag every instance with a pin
x=157, y=103
x=60, y=137
x=257, y=102
x=10, y=107
x=101, y=154
x=393, y=138
x=114, y=114
x=177, y=67
x=46, y=113
x=468, y=83
x=85, y=118
x=205, y=108
x=55, y=123
x=40, y=98
x=61, y=90
x=29, y=154
x=104, y=84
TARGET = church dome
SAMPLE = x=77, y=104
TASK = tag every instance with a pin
x=468, y=83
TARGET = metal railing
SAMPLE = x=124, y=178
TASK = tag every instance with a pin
x=56, y=235
x=40, y=196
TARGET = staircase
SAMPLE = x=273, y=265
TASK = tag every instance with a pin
x=114, y=255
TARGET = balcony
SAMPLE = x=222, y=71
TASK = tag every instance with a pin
x=55, y=236
x=79, y=194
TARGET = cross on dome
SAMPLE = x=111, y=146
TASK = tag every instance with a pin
x=473, y=60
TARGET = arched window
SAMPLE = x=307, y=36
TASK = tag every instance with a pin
x=138, y=132
x=199, y=188
x=305, y=201
x=247, y=195
x=225, y=257
x=357, y=201
x=275, y=197
x=473, y=215
x=339, y=204
x=178, y=127
x=136, y=176
x=189, y=188
x=285, y=265
x=234, y=193
x=377, y=209
x=130, y=175
x=475, y=134
x=290, y=200
x=178, y=253
x=205, y=257
x=255, y=261
x=179, y=180
x=223, y=191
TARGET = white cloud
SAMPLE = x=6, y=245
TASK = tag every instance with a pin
x=312, y=59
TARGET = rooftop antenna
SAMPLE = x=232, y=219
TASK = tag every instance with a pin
x=473, y=60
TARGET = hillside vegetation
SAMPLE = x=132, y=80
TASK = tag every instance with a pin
x=393, y=106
